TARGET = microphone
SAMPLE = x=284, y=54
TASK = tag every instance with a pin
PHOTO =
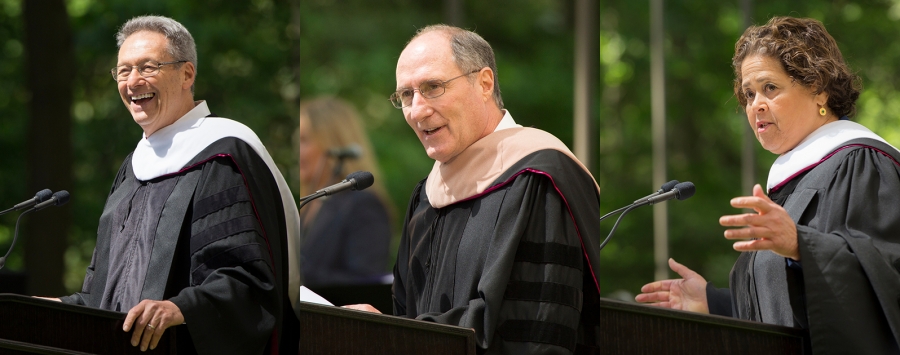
x=680, y=191
x=58, y=198
x=355, y=181
x=352, y=151
x=359, y=180
x=665, y=187
x=39, y=197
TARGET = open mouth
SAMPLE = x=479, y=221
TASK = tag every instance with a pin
x=761, y=126
x=431, y=131
x=142, y=98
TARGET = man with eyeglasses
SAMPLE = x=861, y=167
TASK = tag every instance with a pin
x=501, y=236
x=194, y=234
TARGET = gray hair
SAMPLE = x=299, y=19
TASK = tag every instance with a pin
x=470, y=52
x=181, y=43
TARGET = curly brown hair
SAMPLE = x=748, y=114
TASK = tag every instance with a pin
x=809, y=55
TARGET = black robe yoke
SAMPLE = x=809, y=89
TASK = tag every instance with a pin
x=516, y=262
x=846, y=288
x=219, y=253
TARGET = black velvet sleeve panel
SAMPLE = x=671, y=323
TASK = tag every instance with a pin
x=237, y=301
x=232, y=290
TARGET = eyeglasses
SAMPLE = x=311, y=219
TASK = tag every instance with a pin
x=148, y=69
x=429, y=90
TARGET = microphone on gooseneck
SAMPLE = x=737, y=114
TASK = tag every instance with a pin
x=665, y=187
x=58, y=198
x=39, y=197
x=680, y=191
x=359, y=180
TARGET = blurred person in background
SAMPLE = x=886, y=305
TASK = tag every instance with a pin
x=345, y=237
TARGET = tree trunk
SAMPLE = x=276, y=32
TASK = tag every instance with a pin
x=50, y=71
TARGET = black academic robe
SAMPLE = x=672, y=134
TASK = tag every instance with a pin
x=515, y=263
x=219, y=253
x=846, y=288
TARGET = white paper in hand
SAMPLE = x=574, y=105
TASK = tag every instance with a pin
x=306, y=295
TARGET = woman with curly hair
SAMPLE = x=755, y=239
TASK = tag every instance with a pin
x=821, y=250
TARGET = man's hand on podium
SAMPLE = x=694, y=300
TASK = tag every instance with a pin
x=149, y=320
x=362, y=307
x=48, y=298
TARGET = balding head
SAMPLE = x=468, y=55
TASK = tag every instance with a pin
x=455, y=112
x=469, y=50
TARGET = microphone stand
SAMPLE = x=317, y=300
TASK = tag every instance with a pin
x=310, y=198
x=680, y=191
x=355, y=181
x=616, y=225
x=15, y=237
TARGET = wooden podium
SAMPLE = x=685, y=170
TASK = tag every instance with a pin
x=334, y=330
x=620, y=328
x=35, y=326
x=31, y=325
x=631, y=328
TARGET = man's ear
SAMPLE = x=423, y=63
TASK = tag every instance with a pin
x=486, y=81
x=190, y=73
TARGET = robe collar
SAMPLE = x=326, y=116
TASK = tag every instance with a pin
x=169, y=149
x=817, y=145
x=477, y=167
x=507, y=122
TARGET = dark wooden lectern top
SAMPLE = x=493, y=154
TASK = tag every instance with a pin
x=31, y=325
x=620, y=328
x=631, y=328
x=335, y=330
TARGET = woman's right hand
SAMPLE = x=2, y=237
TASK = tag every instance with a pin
x=687, y=293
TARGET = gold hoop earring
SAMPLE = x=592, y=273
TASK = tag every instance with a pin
x=822, y=111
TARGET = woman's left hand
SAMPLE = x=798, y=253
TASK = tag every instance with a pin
x=770, y=228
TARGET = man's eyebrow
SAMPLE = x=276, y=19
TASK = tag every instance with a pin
x=139, y=61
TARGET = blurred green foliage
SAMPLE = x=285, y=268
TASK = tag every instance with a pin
x=258, y=58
